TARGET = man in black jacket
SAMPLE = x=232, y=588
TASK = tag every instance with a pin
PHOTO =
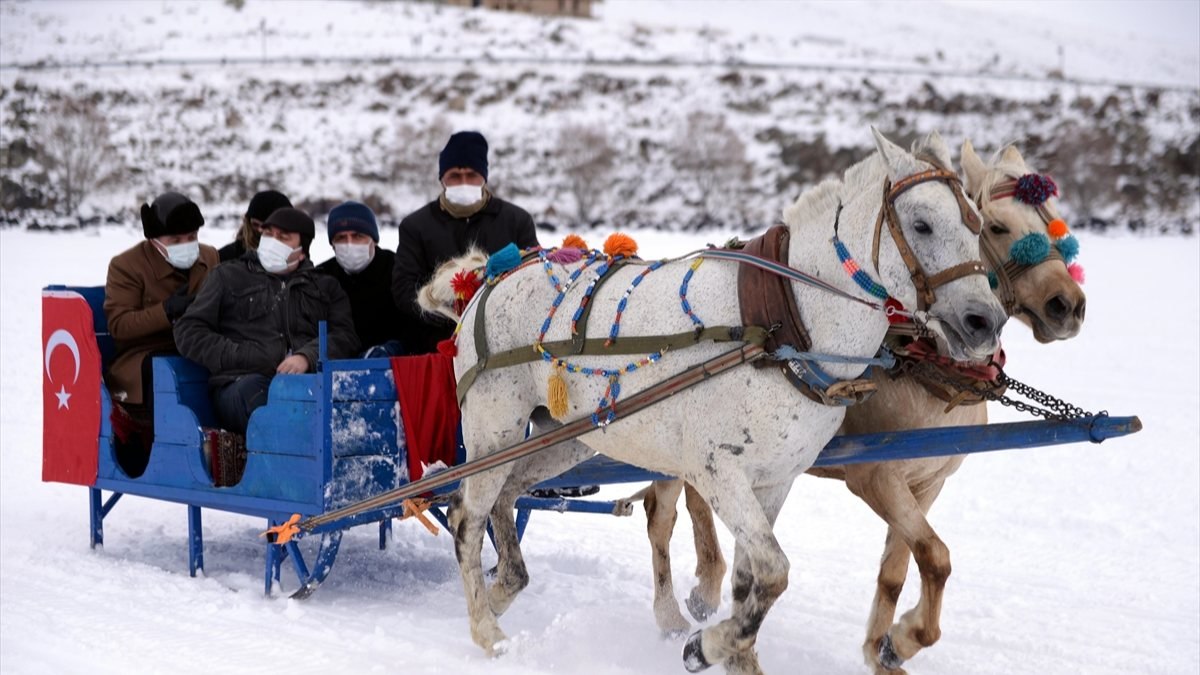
x=364, y=271
x=258, y=316
x=466, y=214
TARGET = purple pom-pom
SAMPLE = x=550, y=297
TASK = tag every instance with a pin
x=1034, y=189
x=565, y=256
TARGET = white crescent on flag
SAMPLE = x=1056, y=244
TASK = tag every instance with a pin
x=62, y=337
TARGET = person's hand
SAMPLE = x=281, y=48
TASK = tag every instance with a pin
x=293, y=365
x=177, y=303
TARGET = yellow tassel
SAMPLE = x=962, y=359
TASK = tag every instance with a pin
x=556, y=395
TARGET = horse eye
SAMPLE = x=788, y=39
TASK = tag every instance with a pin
x=996, y=228
x=922, y=227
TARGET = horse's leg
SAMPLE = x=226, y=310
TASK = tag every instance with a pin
x=469, y=511
x=892, y=571
x=660, y=502
x=920, y=627
x=890, y=496
x=710, y=564
x=760, y=571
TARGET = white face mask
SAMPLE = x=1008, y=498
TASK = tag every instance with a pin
x=273, y=255
x=182, y=256
x=464, y=195
x=353, y=257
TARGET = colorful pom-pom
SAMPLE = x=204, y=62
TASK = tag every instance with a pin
x=620, y=244
x=465, y=284
x=1076, y=272
x=1057, y=229
x=448, y=347
x=993, y=280
x=575, y=241
x=504, y=260
x=1034, y=189
x=1030, y=249
x=565, y=256
x=895, y=316
x=1068, y=248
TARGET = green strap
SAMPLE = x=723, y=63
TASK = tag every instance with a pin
x=641, y=344
x=579, y=339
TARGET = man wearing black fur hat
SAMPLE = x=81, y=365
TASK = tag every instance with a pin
x=148, y=288
x=258, y=316
x=466, y=214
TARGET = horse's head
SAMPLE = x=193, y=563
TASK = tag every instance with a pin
x=1032, y=279
x=934, y=265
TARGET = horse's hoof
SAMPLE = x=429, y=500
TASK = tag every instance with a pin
x=888, y=658
x=693, y=654
x=697, y=607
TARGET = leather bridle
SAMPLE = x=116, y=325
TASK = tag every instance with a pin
x=924, y=283
x=1008, y=270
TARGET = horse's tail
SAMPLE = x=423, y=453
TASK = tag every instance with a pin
x=438, y=296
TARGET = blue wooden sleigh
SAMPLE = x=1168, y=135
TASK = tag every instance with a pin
x=335, y=437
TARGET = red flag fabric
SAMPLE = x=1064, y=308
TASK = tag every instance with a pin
x=70, y=390
x=425, y=388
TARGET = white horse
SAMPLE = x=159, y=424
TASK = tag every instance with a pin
x=742, y=439
x=1043, y=295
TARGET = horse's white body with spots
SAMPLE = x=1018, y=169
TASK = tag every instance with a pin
x=740, y=439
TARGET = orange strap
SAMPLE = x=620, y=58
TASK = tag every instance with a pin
x=416, y=508
x=283, y=533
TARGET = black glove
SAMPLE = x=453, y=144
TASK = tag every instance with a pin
x=177, y=303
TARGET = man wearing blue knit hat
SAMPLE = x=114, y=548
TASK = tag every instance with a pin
x=364, y=271
x=466, y=214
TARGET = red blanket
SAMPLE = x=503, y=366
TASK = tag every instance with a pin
x=425, y=388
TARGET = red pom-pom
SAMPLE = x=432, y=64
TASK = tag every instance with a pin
x=1057, y=229
x=1076, y=272
x=448, y=347
x=464, y=284
x=575, y=241
x=620, y=244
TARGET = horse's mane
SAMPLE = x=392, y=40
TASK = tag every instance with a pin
x=999, y=169
x=819, y=201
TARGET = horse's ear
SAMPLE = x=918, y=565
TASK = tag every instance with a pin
x=899, y=162
x=933, y=147
x=973, y=167
x=1011, y=155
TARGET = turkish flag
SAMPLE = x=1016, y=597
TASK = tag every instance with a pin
x=70, y=390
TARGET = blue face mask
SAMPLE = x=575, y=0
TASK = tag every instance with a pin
x=182, y=256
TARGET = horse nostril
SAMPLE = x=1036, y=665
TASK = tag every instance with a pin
x=1057, y=308
x=977, y=323
x=1080, y=309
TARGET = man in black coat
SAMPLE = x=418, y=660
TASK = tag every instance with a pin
x=258, y=316
x=364, y=271
x=466, y=214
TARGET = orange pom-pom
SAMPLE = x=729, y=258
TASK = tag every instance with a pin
x=620, y=244
x=575, y=241
x=1057, y=229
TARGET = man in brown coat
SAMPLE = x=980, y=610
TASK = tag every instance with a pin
x=149, y=286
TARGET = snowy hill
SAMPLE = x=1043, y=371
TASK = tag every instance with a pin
x=658, y=113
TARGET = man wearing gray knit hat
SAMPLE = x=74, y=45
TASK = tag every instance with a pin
x=466, y=214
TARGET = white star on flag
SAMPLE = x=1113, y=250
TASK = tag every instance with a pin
x=62, y=398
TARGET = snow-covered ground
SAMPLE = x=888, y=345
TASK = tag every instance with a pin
x=1072, y=559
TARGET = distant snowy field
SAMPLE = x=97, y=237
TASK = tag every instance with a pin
x=1073, y=559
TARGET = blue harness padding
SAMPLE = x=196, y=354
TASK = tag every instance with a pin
x=804, y=371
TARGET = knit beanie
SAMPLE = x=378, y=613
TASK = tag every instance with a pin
x=352, y=217
x=466, y=148
x=265, y=203
x=170, y=213
x=294, y=220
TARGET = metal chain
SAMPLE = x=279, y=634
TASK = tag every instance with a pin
x=1053, y=408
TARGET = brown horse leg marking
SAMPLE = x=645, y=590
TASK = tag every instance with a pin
x=892, y=571
x=660, y=501
x=710, y=564
x=920, y=626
